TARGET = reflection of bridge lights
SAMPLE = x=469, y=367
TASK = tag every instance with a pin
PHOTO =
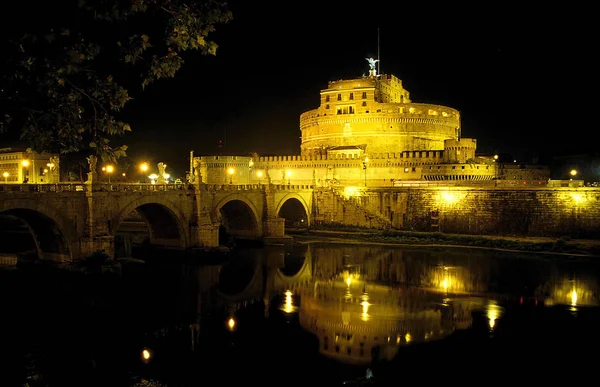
x=407, y=337
x=574, y=297
x=231, y=323
x=348, y=281
x=146, y=355
x=493, y=312
x=288, y=306
x=446, y=284
x=365, y=307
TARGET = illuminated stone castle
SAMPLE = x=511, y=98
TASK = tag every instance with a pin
x=368, y=132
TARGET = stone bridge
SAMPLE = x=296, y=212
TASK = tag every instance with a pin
x=66, y=222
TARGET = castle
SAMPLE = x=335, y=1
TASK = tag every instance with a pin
x=368, y=132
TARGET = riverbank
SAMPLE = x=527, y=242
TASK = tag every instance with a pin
x=539, y=245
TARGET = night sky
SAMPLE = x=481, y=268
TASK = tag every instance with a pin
x=519, y=75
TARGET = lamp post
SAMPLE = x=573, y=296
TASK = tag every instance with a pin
x=364, y=164
x=144, y=168
x=109, y=169
x=25, y=164
x=231, y=171
x=496, y=167
x=5, y=174
x=288, y=174
x=573, y=173
x=259, y=174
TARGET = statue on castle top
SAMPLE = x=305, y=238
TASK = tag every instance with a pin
x=372, y=63
x=92, y=160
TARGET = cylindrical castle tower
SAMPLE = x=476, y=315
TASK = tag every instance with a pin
x=375, y=115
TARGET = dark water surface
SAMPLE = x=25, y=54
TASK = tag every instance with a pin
x=309, y=314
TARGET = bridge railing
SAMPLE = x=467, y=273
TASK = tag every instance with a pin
x=79, y=187
x=254, y=187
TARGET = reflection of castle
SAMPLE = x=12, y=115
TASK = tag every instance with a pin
x=368, y=130
x=358, y=322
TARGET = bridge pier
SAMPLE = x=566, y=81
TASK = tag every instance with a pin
x=90, y=245
x=207, y=235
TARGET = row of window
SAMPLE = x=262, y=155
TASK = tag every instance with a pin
x=339, y=96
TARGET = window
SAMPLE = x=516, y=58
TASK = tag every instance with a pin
x=364, y=103
x=339, y=97
x=351, y=96
x=326, y=106
x=326, y=98
x=364, y=95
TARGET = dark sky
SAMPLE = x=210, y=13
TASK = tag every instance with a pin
x=518, y=74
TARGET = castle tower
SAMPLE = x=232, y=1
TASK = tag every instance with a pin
x=374, y=114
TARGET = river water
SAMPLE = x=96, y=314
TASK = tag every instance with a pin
x=304, y=314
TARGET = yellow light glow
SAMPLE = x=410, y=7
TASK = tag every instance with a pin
x=573, y=172
x=231, y=323
x=493, y=312
x=143, y=167
x=5, y=174
x=251, y=163
x=449, y=197
x=578, y=198
x=288, y=307
x=573, y=297
x=348, y=281
x=110, y=168
x=407, y=337
x=288, y=173
x=25, y=163
x=259, y=174
x=146, y=354
x=351, y=191
x=366, y=159
x=446, y=284
x=365, y=307
x=231, y=171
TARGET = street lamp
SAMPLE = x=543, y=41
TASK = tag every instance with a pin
x=496, y=167
x=5, y=174
x=573, y=173
x=288, y=174
x=144, y=168
x=365, y=168
x=25, y=164
x=259, y=174
x=231, y=171
x=109, y=170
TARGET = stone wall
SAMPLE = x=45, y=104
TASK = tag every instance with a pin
x=464, y=210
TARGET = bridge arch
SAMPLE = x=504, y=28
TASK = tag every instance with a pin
x=290, y=275
x=165, y=221
x=290, y=205
x=53, y=236
x=239, y=216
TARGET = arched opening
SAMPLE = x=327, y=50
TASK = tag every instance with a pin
x=236, y=275
x=238, y=223
x=30, y=235
x=294, y=214
x=292, y=263
x=149, y=224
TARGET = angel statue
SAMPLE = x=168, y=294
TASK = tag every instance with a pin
x=54, y=161
x=372, y=63
x=92, y=162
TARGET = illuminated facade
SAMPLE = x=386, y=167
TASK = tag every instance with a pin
x=375, y=115
x=24, y=166
x=358, y=323
x=368, y=132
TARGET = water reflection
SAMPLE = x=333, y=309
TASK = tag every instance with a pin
x=369, y=321
x=317, y=305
